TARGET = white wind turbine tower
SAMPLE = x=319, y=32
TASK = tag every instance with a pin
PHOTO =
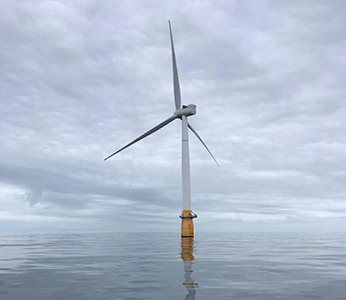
x=181, y=113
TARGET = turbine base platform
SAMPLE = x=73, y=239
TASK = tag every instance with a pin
x=191, y=215
x=187, y=223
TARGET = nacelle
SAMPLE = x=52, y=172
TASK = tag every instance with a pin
x=187, y=110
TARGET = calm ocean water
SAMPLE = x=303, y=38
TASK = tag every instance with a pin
x=161, y=266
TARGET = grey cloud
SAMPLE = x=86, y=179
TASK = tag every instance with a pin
x=79, y=80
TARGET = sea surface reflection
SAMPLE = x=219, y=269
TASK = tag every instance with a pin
x=188, y=258
x=160, y=266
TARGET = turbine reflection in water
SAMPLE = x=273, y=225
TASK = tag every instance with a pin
x=188, y=258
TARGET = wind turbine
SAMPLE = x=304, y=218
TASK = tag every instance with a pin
x=182, y=113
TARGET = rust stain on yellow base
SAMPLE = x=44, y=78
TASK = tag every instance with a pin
x=186, y=224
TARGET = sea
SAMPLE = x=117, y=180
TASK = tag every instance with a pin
x=164, y=266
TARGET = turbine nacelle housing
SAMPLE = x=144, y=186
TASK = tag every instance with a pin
x=187, y=110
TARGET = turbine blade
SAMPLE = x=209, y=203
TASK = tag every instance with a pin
x=177, y=97
x=156, y=128
x=196, y=134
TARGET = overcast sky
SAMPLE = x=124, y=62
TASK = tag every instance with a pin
x=80, y=79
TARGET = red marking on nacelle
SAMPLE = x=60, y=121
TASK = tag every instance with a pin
x=190, y=105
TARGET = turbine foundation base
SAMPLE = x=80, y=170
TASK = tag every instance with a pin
x=187, y=223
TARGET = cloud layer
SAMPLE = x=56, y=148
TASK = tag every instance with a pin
x=80, y=80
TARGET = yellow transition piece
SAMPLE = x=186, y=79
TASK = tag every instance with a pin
x=186, y=224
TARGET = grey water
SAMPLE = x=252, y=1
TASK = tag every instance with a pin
x=164, y=266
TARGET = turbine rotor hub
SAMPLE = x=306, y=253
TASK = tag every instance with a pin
x=187, y=110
